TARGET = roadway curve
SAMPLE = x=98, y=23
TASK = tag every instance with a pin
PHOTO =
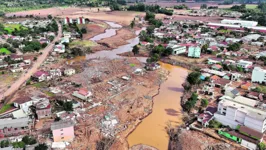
x=26, y=75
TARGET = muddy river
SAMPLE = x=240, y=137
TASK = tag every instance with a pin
x=166, y=109
x=108, y=32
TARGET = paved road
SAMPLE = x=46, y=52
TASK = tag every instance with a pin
x=25, y=76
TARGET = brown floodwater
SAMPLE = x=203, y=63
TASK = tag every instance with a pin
x=166, y=109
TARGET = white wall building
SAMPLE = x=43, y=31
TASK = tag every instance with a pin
x=258, y=75
x=244, y=64
x=241, y=111
x=243, y=23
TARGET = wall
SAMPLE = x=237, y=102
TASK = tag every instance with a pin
x=66, y=134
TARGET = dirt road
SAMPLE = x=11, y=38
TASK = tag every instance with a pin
x=26, y=75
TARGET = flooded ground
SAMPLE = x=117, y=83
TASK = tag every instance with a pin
x=166, y=109
x=108, y=32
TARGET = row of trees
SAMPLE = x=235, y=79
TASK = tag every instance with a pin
x=151, y=8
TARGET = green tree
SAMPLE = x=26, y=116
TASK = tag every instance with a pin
x=83, y=30
x=68, y=106
x=194, y=78
x=204, y=102
x=135, y=50
x=262, y=146
x=204, y=48
x=132, y=24
x=41, y=147
x=50, y=17
x=203, y=6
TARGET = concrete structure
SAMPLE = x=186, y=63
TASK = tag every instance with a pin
x=177, y=49
x=236, y=27
x=43, y=109
x=79, y=20
x=59, y=48
x=63, y=131
x=83, y=94
x=243, y=23
x=258, y=75
x=69, y=72
x=14, y=127
x=241, y=111
x=194, y=51
x=244, y=64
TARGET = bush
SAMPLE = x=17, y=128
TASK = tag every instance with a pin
x=215, y=124
x=204, y=102
x=262, y=146
x=41, y=147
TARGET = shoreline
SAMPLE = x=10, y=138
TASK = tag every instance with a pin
x=145, y=116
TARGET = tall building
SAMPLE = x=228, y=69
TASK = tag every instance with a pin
x=241, y=111
x=258, y=75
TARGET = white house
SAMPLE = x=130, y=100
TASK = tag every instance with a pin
x=40, y=76
x=178, y=49
x=59, y=48
x=241, y=111
x=244, y=64
x=25, y=102
x=83, y=94
x=69, y=72
x=55, y=73
x=258, y=75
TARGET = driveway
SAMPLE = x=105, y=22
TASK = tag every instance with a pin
x=26, y=75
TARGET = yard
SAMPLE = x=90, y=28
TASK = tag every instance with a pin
x=5, y=108
x=11, y=27
x=4, y=51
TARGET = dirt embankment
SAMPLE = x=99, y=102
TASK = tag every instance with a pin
x=95, y=28
x=201, y=141
x=119, y=39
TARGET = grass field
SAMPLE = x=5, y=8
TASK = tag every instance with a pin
x=251, y=6
x=5, y=108
x=83, y=43
x=11, y=27
x=4, y=50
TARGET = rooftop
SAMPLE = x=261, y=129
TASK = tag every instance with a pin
x=14, y=123
x=62, y=124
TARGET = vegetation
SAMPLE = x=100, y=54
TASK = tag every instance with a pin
x=4, y=143
x=204, y=102
x=191, y=102
x=194, y=78
x=65, y=105
x=203, y=6
x=215, y=124
x=151, y=8
x=41, y=147
x=135, y=50
x=262, y=146
x=4, y=51
x=5, y=108
x=28, y=140
x=18, y=144
x=31, y=46
x=159, y=52
x=260, y=89
x=183, y=6
x=234, y=47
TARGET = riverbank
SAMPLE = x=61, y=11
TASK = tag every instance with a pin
x=166, y=111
